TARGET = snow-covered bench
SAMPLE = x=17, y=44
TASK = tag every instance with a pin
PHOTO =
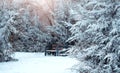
x=50, y=52
x=56, y=52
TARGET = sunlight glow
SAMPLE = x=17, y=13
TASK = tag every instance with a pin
x=43, y=8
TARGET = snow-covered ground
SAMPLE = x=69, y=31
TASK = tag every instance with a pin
x=38, y=63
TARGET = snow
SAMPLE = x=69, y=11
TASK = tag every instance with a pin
x=38, y=63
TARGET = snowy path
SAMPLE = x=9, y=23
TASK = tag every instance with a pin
x=38, y=63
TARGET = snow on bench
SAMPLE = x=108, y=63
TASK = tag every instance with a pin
x=56, y=52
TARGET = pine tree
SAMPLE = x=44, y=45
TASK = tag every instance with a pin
x=6, y=28
x=32, y=36
x=97, y=36
x=60, y=28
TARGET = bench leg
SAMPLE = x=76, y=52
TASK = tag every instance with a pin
x=45, y=53
x=57, y=52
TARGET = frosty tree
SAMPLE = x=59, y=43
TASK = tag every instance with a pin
x=97, y=36
x=6, y=28
x=20, y=29
x=32, y=36
x=59, y=29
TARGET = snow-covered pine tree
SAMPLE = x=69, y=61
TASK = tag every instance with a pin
x=60, y=29
x=97, y=36
x=6, y=28
x=32, y=36
x=60, y=34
